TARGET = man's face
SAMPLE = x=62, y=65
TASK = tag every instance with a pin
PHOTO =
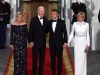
x=41, y=11
x=54, y=15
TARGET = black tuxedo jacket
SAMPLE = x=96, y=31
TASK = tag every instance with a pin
x=5, y=12
x=59, y=37
x=76, y=7
x=37, y=31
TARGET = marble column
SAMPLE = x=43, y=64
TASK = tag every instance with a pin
x=95, y=6
x=68, y=15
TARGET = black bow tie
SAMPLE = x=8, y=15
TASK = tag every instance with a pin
x=41, y=17
x=54, y=20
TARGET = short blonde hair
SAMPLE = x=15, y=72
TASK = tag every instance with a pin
x=81, y=14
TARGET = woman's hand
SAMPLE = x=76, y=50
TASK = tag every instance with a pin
x=88, y=49
x=31, y=44
x=65, y=45
x=12, y=47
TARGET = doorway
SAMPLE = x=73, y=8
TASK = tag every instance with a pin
x=31, y=7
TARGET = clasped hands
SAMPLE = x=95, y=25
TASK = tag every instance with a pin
x=31, y=44
x=65, y=45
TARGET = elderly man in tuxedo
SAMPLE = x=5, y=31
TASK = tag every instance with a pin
x=57, y=40
x=4, y=20
x=37, y=39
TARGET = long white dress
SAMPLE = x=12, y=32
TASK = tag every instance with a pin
x=80, y=33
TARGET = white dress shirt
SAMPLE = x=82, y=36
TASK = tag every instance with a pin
x=41, y=19
x=54, y=26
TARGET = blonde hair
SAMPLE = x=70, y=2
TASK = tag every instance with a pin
x=19, y=13
x=24, y=16
x=81, y=14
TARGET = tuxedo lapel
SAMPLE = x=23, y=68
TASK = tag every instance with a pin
x=51, y=25
x=39, y=21
x=43, y=20
x=56, y=25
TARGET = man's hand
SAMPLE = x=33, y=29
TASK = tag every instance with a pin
x=8, y=25
x=65, y=45
x=31, y=44
x=1, y=19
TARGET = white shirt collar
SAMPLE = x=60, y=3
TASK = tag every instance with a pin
x=54, y=26
x=39, y=16
x=55, y=19
x=41, y=20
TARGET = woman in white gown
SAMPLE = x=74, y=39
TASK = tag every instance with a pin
x=80, y=33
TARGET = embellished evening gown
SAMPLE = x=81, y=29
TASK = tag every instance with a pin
x=19, y=41
x=80, y=33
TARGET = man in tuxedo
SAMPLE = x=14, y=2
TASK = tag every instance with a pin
x=37, y=39
x=57, y=40
x=4, y=20
x=77, y=7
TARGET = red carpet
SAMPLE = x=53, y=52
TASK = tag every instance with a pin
x=67, y=68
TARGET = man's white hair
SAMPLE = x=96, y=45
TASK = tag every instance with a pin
x=40, y=8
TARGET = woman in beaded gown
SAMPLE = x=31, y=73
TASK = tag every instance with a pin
x=80, y=33
x=18, y=43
